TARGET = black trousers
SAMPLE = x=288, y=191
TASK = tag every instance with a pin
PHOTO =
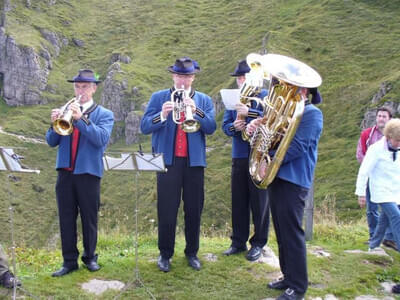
x=78, y=194
x=179, y=181
x=287, y=209
x=245, y=197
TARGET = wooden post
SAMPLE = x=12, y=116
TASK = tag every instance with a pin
x=309, y=214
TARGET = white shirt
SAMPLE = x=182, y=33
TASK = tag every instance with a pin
x=383, y=174
x=86, y=105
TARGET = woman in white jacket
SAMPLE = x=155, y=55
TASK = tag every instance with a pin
x=382, y=166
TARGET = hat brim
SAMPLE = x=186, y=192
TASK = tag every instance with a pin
x=237, y=74
x=171, y=70
x=84, y=80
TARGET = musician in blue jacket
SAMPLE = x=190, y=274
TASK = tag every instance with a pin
x=185, y=158
x=287, y=195
x=245, y=195
x=80, y=168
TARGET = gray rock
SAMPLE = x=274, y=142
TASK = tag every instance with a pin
x=96, y=286
x=25, y=72
x=370, y=114
x=78, y=43
x=117, y=97
x=118, y=57
x=53, y=39
x=132, y=128
x=115, y=94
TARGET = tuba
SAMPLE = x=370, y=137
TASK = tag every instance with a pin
x=283, y=109
x=190, y=124
x=63, y=124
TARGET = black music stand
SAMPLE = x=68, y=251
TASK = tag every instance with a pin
x=136, y=161
x=11, y=162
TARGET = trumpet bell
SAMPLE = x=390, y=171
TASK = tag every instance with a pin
x=190, y=125
x=63, y=127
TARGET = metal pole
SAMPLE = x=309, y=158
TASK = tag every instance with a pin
x=309, y=214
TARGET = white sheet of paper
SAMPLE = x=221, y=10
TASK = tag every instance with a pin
x=125, y=162
x=230, y=97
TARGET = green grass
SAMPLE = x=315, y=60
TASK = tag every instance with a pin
x=227, y=278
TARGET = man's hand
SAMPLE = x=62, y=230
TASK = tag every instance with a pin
x=242, y=110
x=361, y=201
x=190, y=102
x=76, y=111
x=55, y=113
x=167, y=108
x=239, y=124
x=252, y=126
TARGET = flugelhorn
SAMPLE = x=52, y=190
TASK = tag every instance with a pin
x=252, y=85
x=63, y=124
x=189, y=124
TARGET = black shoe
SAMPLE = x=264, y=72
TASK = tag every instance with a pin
x=92, y=266
x=194, y=262
x=8, y=280
x=396, y=289
x=163, y=264
x=64, y=271
x=278, y=284
x=390, y=244
x=234, y=250
x=290, y=294
x=254, y=253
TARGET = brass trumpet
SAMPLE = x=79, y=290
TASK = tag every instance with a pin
x=63, y=124
x=190, y=124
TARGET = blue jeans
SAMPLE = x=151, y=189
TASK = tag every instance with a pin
x=372, y=212
x=389, y=217
x=373, y=215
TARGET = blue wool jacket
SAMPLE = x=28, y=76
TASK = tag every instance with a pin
x=163, y=133
x=95, y=128
x=300, y=159
x=240, y=148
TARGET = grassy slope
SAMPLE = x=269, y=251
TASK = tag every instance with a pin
x=353, y=44
x=227, y=278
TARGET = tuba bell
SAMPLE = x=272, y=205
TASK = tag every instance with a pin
x=283, y=109
x=63, y=124
x=189, y=124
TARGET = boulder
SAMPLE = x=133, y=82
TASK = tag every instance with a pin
x=25, y=72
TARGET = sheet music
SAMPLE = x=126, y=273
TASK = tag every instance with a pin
x=125, y=162
x=230, y=97
x=150, y=162
x=135, y=161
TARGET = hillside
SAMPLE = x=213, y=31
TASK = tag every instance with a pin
x=353, y=44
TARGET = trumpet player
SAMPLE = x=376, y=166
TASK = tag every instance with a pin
x=184, y=155
x=245, y=195
x=80, y=168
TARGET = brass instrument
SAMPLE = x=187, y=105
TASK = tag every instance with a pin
x=63, y=124
x=190, y=124
x=283, y=109
x=252, y=85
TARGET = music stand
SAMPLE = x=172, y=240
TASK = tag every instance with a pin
x=11, y=162
x=136, y=161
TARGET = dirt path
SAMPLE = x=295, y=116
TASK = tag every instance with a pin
x=23, y=138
